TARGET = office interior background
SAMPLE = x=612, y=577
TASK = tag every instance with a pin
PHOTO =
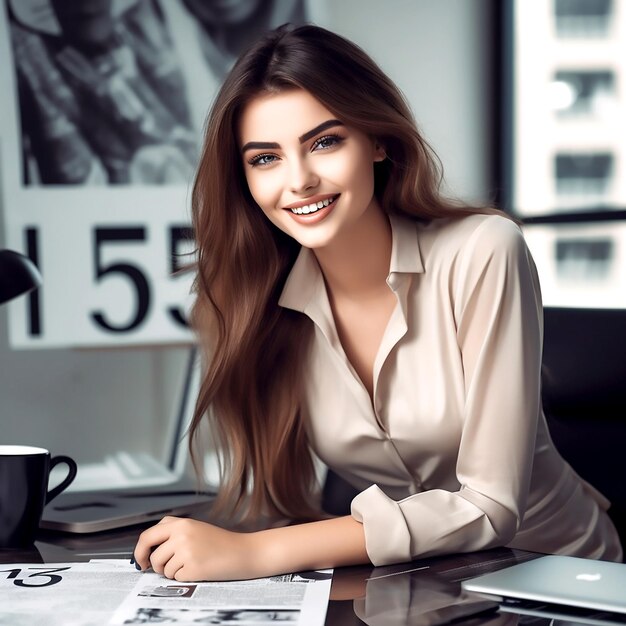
x=534, y=122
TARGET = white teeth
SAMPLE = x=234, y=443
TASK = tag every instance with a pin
x=312, y=208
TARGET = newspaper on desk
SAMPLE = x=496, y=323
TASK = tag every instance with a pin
x=113, y=592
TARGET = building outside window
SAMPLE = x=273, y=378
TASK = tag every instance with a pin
x=567, y=146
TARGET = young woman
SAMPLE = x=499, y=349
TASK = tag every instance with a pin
x=349, y=309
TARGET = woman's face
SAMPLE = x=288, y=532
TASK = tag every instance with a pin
x=312, y=176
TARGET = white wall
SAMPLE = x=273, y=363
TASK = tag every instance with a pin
x=90, y=403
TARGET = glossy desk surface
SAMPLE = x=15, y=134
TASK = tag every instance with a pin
x=421, y=593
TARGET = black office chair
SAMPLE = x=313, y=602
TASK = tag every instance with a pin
x=584, y=397
x=337, y=494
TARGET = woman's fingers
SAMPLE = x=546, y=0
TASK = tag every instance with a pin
x=148, y=541
x=174, y=566
x=161, y=556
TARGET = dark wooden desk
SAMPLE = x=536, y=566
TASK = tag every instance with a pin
x=421, y=593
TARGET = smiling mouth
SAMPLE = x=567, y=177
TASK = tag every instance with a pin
x=314, y=207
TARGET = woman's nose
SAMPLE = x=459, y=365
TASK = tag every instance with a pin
x=302, y=177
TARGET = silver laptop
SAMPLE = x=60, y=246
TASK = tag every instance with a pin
x=558, y=581
x=138, y=488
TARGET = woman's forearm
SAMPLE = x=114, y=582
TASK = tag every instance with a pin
x=187, y=549
x=328, y=543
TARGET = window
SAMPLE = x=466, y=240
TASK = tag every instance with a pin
x=565, y=144
x=582, y=18
x=582, y=179
x=583, y=93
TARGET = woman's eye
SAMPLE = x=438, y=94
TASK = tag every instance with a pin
x=262, y=159
x=326, y=142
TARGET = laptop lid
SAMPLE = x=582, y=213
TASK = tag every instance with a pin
x=136, y=489
x=557, y=580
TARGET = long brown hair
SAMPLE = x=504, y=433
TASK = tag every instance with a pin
x=251, y=391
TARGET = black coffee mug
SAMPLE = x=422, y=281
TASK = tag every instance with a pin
x=24, y=473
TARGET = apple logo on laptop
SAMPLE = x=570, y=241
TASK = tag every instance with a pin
x=589, y=577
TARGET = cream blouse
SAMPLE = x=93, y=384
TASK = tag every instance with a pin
x=453, y=453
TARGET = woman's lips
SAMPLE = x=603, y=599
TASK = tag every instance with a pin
x=315, y=210
x=312, y=205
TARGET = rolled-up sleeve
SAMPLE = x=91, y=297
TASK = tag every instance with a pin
x=496, y=304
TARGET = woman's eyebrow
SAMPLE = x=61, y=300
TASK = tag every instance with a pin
x=261, y=145
x=318, y=129
x=272, y=145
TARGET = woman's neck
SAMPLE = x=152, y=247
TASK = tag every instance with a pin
x=358, y=264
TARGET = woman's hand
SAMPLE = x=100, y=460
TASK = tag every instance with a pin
x=186, y=549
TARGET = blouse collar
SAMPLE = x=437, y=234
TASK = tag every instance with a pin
x=305, y=283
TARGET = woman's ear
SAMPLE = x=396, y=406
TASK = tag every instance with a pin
x=380, y=154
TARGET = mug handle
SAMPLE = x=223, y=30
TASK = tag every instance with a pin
x=71, y=475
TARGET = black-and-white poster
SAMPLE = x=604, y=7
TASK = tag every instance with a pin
x=103, y=103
